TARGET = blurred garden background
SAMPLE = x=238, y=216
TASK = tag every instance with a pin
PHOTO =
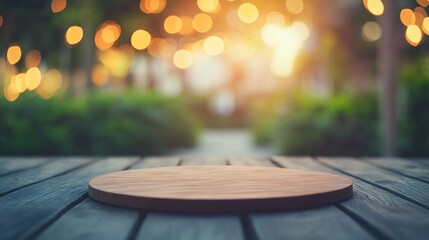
x=145, y=77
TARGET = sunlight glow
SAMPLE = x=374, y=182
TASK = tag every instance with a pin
x=276, y=18
x=286, y=43
x=295, y=6
x=183, y=59
x=214, y=45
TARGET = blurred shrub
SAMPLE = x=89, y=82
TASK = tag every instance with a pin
x=340, y=125
x=414, y=103
x=200, y=105
x=99, y=123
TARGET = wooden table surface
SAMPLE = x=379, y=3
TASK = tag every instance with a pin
x=46, y=198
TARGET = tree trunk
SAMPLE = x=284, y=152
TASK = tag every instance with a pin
x=388, y=63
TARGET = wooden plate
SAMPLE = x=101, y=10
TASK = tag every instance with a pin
x=220, y=188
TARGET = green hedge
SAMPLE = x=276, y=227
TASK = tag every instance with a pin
x=340, y=125
x=98, y=123
x=414, y=105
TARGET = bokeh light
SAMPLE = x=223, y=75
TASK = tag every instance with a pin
x=19, y=83
x=10, y=93
x=152, y=6
x=33, y=77
x=187, y=26
x=407, y=17
x=375, y=7
x=208, y=5
x=420, y=14
x=295, y=6
x=50, y=84
x=275, y=18
x=371, y=31
x=13, y=54
x=33, y=58
x=110, y=31
x=173, y=24
x=425, y=25
x=116, y=62
x=423, y=3
x=58, y=5
x=202, y=22
x=1, y=20
x=183, y=59
x=248, y=13
x=74, y=35
x=214, y=45
x=140, y=39
x=99, y=75
x=413, y=35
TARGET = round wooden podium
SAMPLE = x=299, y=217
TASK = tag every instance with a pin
x=220, y=188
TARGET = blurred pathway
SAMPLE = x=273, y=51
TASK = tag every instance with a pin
x=225, y=143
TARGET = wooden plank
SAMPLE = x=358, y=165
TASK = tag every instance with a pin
x=187, y=226
x=250, y=161
x=408, y=188
x=184, y=227
x=414, y=169
x=17, y=180
x=381, y=212
x=196, y=161
x=320, y=223
x=94, y=220
x=12, y=164
x=29, y=210
x=153, y=162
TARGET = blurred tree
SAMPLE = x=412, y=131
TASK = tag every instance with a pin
x=388, y=62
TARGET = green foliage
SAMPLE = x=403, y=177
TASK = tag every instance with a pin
x=99, y=123
x=414, y=115
x=340, y=125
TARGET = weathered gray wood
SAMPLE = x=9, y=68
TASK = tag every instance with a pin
x=12, y=164
x=383, y=213
x=414, y=169
x=250, y=161
x=26, y=177
x=92, y=220
x=319, y=223
x=205, y=227
x=203, y=161
x=25, y=212
x=152, y=162
x=408, y=188
x=184, y=227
